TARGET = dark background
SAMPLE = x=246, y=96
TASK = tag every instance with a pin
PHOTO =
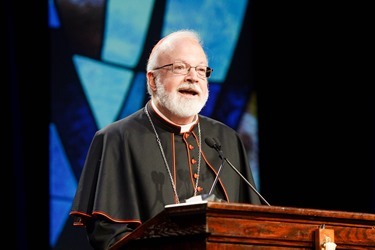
x=314, y=68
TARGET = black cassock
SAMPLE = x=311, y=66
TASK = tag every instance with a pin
x=125, y=180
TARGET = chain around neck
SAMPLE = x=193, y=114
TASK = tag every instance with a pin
x=166, y=162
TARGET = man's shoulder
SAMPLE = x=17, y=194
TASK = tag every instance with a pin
x=208, y=122
x=123, y=123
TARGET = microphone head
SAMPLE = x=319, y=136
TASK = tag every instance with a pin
x=216, y=143
x=210, y=142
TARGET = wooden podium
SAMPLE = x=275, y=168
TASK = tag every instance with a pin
x=215, y=225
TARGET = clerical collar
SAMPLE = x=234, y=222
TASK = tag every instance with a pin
x=183, y=128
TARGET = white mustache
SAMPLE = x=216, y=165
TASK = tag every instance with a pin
x=190, y=87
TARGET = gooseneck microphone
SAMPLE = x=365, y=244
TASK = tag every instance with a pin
x=213, y=143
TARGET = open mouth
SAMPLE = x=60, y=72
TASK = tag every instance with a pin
x=191, y=92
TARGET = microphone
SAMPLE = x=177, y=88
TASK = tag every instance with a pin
x=213, y=143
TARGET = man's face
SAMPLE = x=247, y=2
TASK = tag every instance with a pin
x=182, y=95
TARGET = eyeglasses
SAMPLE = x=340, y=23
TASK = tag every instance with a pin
x=182, y=68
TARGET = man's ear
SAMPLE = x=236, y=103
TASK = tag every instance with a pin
x=151, y=80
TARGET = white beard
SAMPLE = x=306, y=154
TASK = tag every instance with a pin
x=177, y=104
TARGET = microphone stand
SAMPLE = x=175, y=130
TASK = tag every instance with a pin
x=217, y=176
x=248, y=183
x=213, y=143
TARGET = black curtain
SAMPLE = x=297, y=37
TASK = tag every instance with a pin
x=315, y=74
x=25, y=103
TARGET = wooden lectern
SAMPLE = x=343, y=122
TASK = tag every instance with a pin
x=215, y=225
